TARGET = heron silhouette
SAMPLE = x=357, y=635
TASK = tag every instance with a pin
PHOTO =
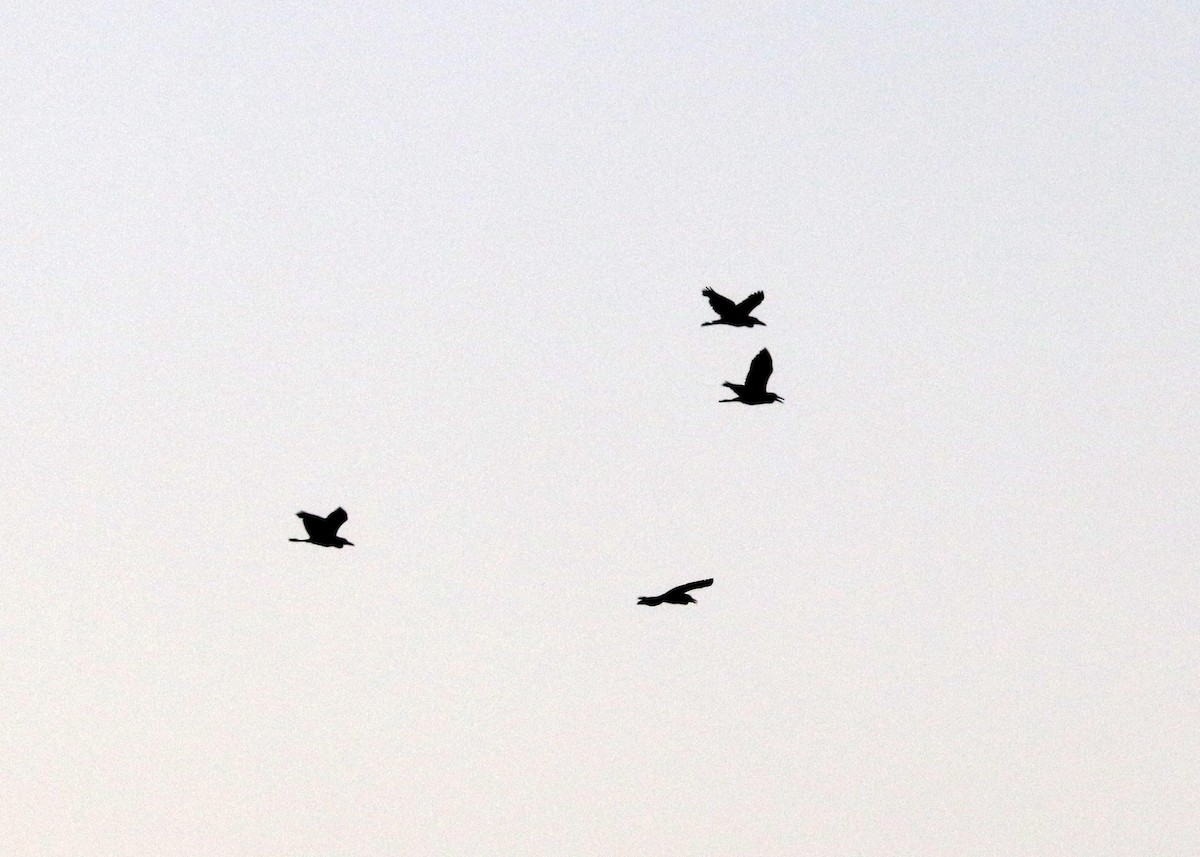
x=736, y=315
x=754, y=391
x=678, y=595
x=323, y=531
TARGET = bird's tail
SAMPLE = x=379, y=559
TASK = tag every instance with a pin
x=649, y=602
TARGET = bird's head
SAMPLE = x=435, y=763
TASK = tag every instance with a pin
x=775, y=397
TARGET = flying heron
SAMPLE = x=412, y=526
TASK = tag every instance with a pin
x=678, y=595
x=754, y=391
x=737, y=315
x=323, y=531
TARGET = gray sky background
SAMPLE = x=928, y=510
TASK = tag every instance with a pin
x=442, y=266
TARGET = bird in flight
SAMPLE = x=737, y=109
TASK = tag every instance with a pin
x=678, y=595
x=754, y=391
x=737, y=315
x=323, y=531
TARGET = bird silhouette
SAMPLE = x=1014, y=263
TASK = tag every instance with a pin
x=754, y=391
x=323, y=531
x=736, y=315
x=678, y=595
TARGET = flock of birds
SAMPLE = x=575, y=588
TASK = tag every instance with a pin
x=323, y=531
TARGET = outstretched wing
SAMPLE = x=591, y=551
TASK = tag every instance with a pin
x=761, y=368
x=747, y=306
x=314, y=525
x=687, y=587
x=721, y=305
x=336, y=518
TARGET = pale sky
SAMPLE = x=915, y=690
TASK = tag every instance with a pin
x=442, y=266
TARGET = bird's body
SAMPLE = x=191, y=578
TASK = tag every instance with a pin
x=678, y=595
x=323, y=531
x=754, y=391
x=735, y=315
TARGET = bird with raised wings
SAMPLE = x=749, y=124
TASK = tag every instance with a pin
x=754, y=391
x=678, y=595
x=323, y=531
x=735, y=315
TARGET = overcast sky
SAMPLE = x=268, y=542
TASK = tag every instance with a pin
x=441, y=265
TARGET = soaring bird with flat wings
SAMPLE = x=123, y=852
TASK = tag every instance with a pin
x=678, y=595
x=737, y=315
x=754, y=391
x=323, y=531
